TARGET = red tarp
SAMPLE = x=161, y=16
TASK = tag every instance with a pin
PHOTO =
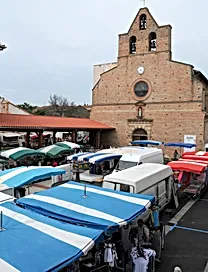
x=194, y=153
x=196, y=158
x=196, y=161
x=194, y=167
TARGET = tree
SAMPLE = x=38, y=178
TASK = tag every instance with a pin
x=59, y=102
x=72, y=104
x=54, y=100
x=39, y=112
x=27, y=107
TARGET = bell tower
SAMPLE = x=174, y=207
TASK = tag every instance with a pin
x=145, y=36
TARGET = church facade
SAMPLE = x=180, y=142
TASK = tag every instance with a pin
x=146, y=94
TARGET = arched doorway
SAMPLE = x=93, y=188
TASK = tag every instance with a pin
x=139, y=134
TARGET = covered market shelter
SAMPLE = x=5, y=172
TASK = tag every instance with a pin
x=39, y=124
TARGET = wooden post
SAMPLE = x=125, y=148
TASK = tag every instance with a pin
x=28, y=139
x=97, y=144
x=40, y=139
x=54, y=136
x=74, y=136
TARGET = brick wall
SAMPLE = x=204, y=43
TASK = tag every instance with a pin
x=176, y=98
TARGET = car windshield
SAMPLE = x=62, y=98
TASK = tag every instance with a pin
x=122, y=165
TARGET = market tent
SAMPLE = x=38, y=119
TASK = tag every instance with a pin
x=180, y=144
x=3, y=161
x=146, y=142
x=97, y=208
x=19, y=153
x=104, y=157
x=5, y=197
x=31, y=242
x=87, y=157
x=20, y=176
x=55, y=150
x=187, y=166
x=197, y=153
x=69, y=144
x=196, y=161
x=74, y=157
x=196, y=158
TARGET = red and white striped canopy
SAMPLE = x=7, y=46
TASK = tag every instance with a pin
x=188, y=166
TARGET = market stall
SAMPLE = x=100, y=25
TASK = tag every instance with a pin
x=24, y=176
x=32, y=242
x=19, y=153
x=96, y=165
x=196, y=156
x=88, y=205
x=69, y=144
x=55, y=150
x=192, y=176
x=93, y=207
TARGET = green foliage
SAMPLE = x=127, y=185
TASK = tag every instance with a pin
x=27, y=107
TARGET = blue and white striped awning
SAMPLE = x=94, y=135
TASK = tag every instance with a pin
x=84, y=156
x=104, y=157
x=102, y=208
x=20, y=176
x=31, y=242
x=74, y=157
x=87, y=157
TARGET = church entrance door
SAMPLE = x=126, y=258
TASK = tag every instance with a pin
x=139, y=134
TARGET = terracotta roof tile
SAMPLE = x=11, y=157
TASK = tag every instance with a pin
x=18, y=121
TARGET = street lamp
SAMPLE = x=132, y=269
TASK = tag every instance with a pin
x=2, y=47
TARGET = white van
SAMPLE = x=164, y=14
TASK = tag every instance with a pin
x=9, y=139
x=148, y=178
x=146, y=155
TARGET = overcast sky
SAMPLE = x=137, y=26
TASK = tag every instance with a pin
x=53, y=44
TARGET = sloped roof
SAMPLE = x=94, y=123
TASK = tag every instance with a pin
x=17, y=121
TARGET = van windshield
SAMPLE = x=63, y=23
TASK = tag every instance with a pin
x=118, y=187
x=122, y=165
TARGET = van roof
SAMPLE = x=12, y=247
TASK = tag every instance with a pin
x=130, y=150
x=133, y=175
x=9, y=134
x=144, y=153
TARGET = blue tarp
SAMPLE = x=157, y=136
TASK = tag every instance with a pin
x=186, y=145
x=34, y=243
x=20, y=176
x=102, y=208
x=146, y=142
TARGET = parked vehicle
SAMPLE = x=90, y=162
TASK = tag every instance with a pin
x=145, y=155
x=148, y=178
x=8, y=139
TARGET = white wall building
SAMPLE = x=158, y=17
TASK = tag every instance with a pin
x=8, y=107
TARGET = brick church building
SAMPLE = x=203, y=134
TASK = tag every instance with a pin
x=146, y=94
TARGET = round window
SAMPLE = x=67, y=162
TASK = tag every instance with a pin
x=141, y=89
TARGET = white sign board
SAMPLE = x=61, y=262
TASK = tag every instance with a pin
x=190, y=139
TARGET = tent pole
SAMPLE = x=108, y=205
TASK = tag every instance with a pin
x=1, y=223
x=85, y=191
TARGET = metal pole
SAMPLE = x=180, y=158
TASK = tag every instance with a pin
x=85, y=190
x=1, y=223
